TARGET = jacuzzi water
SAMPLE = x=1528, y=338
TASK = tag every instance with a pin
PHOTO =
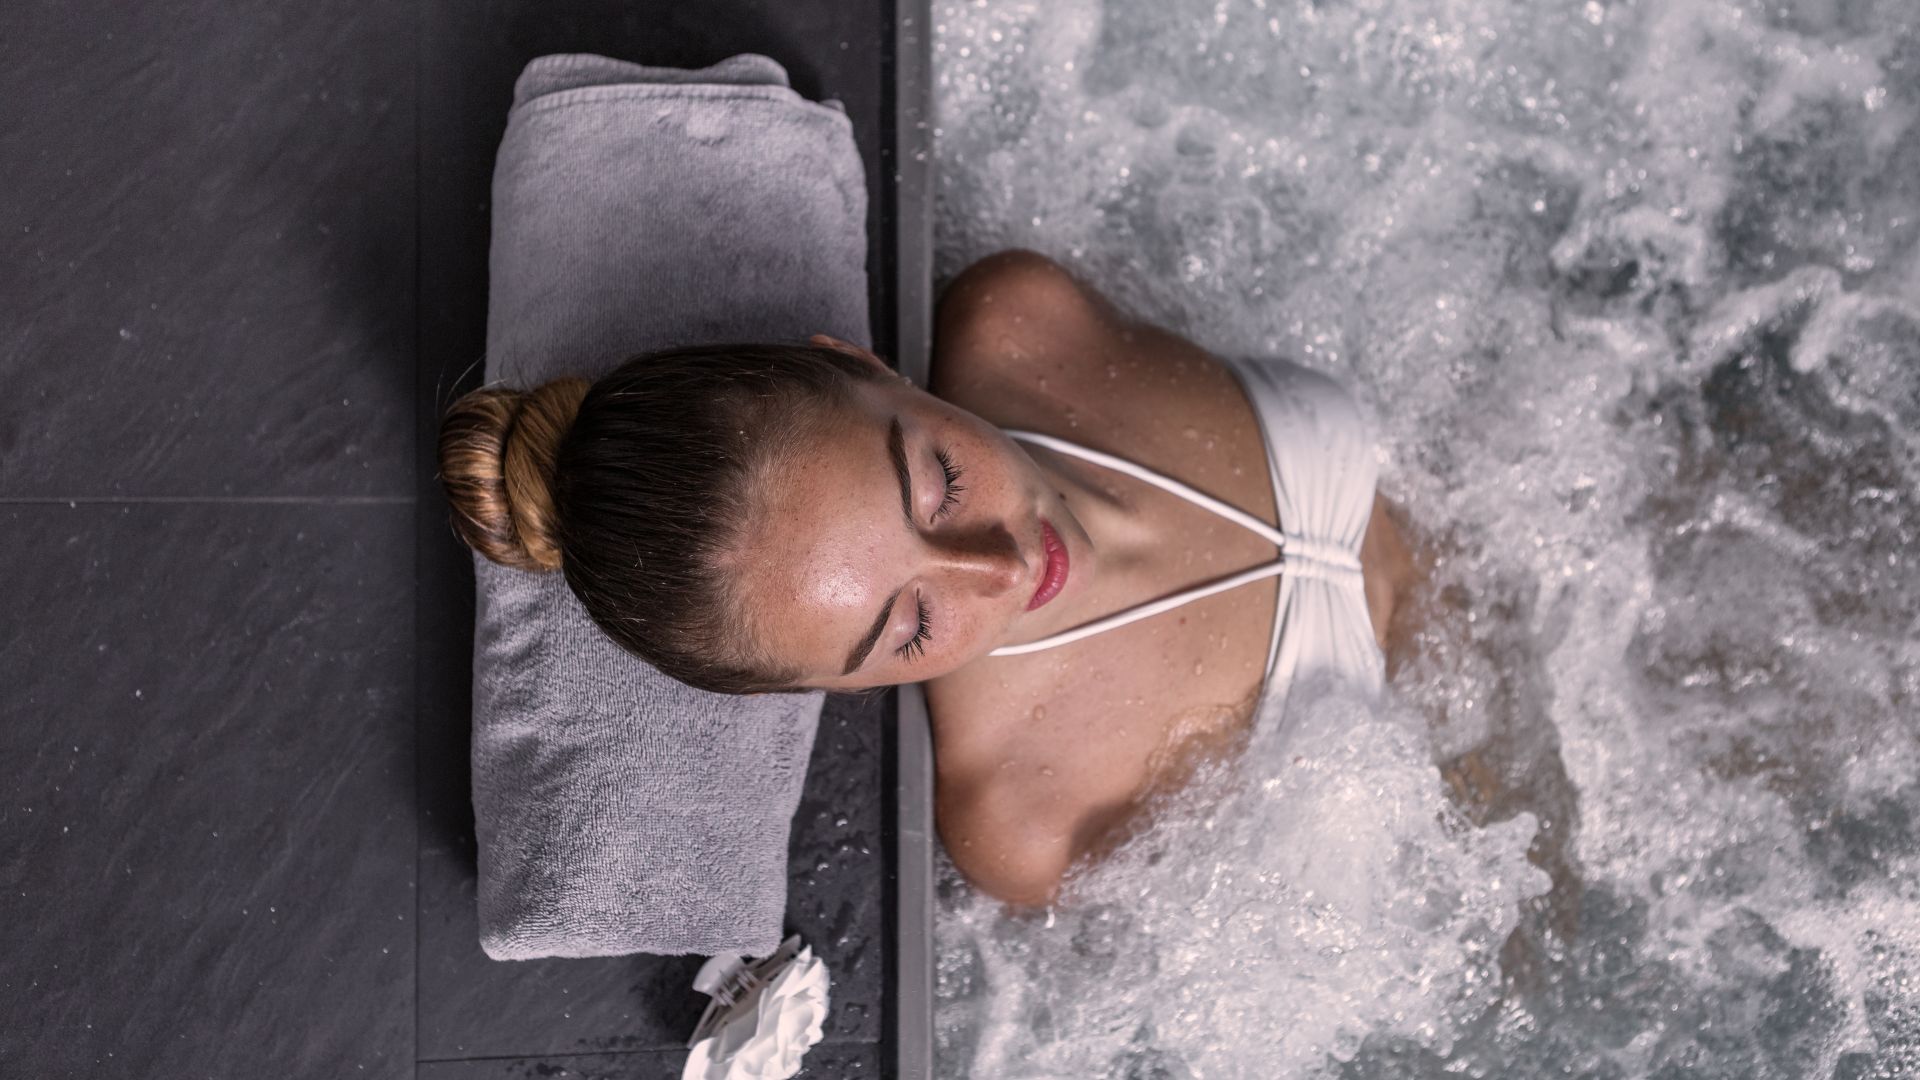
x=1634, y=289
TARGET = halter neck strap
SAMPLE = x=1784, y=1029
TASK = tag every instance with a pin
x=1300, y=556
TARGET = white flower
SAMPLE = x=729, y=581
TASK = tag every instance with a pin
x=773, y=1021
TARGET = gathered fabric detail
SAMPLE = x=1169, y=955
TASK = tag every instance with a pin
x=1320, y=460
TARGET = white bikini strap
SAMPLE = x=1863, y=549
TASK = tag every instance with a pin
x=1151, y=607
x=1165, y=483
x=1307, y=558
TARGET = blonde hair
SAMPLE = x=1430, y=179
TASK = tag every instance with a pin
x=498, y=450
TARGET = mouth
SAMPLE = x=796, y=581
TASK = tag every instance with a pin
x=1054, y=577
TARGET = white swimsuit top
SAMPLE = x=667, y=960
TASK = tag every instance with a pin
x=1320, y=455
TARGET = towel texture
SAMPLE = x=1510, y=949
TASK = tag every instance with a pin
x=617, y=810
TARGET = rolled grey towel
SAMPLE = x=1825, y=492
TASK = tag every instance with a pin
x=617, y=810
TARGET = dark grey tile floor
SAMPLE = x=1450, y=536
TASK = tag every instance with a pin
x=243, y=268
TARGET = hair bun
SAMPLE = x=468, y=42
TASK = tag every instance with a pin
x=498, y=447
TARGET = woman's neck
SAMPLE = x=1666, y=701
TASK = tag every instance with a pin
x=1131, y=542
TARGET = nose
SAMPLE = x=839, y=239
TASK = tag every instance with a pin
x=983, y=560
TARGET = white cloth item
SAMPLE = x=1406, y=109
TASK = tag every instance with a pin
x=1320, y=456
x=764, y=1017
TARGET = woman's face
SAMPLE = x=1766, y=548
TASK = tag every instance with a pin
x=900, y=542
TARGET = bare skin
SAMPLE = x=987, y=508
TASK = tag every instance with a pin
x=1044, y=759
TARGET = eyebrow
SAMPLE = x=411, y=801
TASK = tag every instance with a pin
x=897, y=453
x=897, y=450
x=859, y=654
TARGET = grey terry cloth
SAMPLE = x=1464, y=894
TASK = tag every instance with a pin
x=617, y=810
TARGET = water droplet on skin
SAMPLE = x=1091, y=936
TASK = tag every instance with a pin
x=1046, y=770
x=1113, y=371
x=1043, y=382
x=1238, y=471
x=1191, y=433
x=1199, y=669
x=1039, y=712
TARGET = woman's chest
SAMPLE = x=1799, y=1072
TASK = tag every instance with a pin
x=1099, y=723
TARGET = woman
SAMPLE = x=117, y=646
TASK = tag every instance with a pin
x=760, y=518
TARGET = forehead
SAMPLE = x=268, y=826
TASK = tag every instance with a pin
x=813, y=554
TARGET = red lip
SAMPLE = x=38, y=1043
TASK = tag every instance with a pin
x=1054, y=577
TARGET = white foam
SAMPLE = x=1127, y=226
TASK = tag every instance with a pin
x=1634, y=289
x=1309, y=895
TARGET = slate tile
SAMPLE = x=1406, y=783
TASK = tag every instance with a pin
x=207, y=248
x=823, y=1062
x=206, y=791
x=444, y=680
x=840, y=854
x=473, y=1006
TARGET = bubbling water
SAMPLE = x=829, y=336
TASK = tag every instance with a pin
x=1347, y=882
x=1635, y=290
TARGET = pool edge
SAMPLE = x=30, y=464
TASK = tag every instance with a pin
x=913, y=315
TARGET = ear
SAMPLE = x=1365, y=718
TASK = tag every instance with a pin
x=826, y=341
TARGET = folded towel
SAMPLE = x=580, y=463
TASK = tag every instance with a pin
x=616, y=809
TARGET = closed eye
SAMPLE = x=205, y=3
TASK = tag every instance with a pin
x=916, y=646
x=952, y=472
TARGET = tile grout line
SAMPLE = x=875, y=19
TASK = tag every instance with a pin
x=419, y=59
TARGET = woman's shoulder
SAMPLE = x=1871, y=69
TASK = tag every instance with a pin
x=1023, y=342
x=1015, y=320
x=1020, y=790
